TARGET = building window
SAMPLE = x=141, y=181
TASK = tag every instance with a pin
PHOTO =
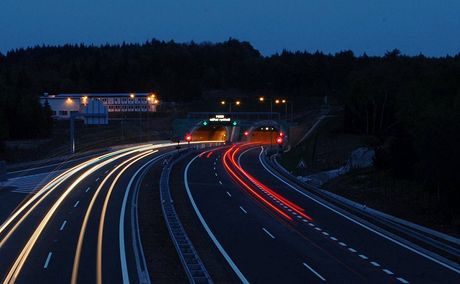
x=62, y=112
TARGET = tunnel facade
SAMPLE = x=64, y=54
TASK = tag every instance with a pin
x=266, y=132
x=210, y=132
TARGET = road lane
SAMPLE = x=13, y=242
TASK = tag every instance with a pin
x=391, y=258
x=50, y=222
x=260, y=257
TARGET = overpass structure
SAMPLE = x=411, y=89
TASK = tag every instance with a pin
x=231, y=126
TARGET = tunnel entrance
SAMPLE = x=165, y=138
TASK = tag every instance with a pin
x=210, y=132
x=264, y=134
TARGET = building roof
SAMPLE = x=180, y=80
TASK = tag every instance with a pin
x=96, y=95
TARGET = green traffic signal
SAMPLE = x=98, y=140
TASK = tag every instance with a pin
x=205, y=123
x=234, y=123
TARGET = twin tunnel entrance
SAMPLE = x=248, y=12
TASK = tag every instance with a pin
x=263, y=133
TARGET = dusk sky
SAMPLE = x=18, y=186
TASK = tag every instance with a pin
x=431, y=27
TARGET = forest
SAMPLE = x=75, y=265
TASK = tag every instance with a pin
x=410, y=104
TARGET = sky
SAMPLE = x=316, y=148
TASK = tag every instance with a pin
x=431, y=27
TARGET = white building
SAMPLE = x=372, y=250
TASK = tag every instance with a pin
x=63, y=105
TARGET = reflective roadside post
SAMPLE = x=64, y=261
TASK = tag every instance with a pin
x=188, y=138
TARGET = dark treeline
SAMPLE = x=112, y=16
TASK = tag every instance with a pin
x=410, y=104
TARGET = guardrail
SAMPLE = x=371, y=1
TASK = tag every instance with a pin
x=444, y=247
x=194, y=267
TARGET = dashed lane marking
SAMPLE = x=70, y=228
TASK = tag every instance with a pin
x=268, y=233
x=63, y=225
x=314, y=272
x=47, y=260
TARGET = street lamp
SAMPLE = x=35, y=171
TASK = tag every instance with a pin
x=285, y=102
x=237, y=103
x=262, y=99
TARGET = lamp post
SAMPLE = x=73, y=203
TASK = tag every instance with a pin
x=236, y=103
x=285, y=102
x=262, y=99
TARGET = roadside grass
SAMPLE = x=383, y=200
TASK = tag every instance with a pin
x=90, y=137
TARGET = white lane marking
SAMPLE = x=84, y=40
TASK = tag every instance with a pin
x=121, y=223
x=242, y=209
x=47, y=260
x=318, y=229
x=215, y=174
x=98, y=179
x=214, y=168
x=326, y=233
x=76, y=204
x=268, y=233
x=402, y=280
x=106, y=171
x=333, y=238
x=88, y=189
x=220, y=182
x=228, y=193
x=342, y=244
x=387, y=271
x=357, y=222
x=351, y=249
x=63, y=225
x=375, y=264
x=311, y=224
x=312, y=270
x=207, y=229
x=363, y=256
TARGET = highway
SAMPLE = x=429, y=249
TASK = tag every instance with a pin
x=81, y=225
x=78, y=227
x=268, y=230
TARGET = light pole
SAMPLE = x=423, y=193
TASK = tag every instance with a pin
x=236, y=103
x=285, y=102
x=262, y=99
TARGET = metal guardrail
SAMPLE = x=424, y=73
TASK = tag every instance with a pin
x=437, y=241
x=194, y=267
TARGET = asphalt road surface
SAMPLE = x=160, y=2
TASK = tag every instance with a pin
x=271, y=232
x=78, y=227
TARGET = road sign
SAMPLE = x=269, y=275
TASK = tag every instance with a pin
x=301, y=164
x=220, y=119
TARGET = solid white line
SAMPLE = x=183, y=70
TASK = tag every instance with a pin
x=121, y=223
x=357, y=222
x=388, y=271
x=242, y=209
x=63, y=225
x=402, y=280
x=47, y=260
x=207, y=229
x=312, y=270
x=228, y=193
x=76, y=204
x=88, y=189
x=268, y=233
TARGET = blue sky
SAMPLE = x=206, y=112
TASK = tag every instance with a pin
x=431, y=27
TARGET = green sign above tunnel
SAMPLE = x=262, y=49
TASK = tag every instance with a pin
x=221, y=120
